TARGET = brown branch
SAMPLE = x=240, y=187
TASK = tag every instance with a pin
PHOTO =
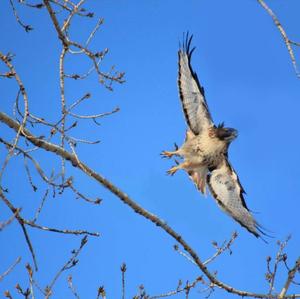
x=24, y=222
x=286, y=40
x=279, y=258
x=191, y=260
x=72, y=14
x=21, y=222
x=94, y=116
x=179, y=289
x=63, y=106
x=95, y=57
x=101, y=292
x=96, y=201
x=219, y=250
x=7, y=61
x=17, y=261
x=62, y=231
x=99, y=23
x=74, y=140
x=72, y=262
x=72, y=158
x=38, y=211
x=8, y=221
x=51, y=12
x=76, y=103
x=71, y=287
x=290, y=278
x=31, y=282
x=64, y=5
x=35, y=163
x=294, y=43
x=29, y=175
x=123, y=270
x=27, y=28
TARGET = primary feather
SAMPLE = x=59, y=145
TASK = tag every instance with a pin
x=191, y=92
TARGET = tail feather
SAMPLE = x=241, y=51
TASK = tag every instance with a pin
x=199, y=178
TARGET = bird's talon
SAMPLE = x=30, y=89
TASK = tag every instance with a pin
x=166, y=154
x=172, y=170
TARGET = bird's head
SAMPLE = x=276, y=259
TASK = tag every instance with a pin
x=226, y=134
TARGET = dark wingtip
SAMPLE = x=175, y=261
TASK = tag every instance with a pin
x=186, y=44
x=262, y=231
x=221, y=125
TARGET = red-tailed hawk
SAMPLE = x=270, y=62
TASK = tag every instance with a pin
x=205, y=150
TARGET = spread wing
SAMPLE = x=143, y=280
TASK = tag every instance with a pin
x=191, y=92
x=225, y=187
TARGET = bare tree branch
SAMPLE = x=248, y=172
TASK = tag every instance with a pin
x=123, y=270
x=74, y=160
x=179, y=289
x=8, y=221
x=286, y=40
x=21, y=222
x=17, y=261
x=72, y=262
x=62, y=14
x=290, y=278
x=71, y=287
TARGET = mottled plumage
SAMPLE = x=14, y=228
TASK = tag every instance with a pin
x=205, y=150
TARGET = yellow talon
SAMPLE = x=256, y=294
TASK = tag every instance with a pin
x=172, y=170
x=167, y=154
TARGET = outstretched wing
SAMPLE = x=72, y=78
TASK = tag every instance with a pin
x=191, y=92
x=225, y=187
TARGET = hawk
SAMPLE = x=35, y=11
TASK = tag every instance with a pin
x=205, y=150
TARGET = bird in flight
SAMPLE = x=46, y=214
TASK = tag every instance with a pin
x=205, y=150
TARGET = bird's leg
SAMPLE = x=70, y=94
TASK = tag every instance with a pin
x=183, y=165
x=170, y=154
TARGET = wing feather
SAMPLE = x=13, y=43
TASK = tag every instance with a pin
x=191, y=92
x=225, y=187
x=198, y=176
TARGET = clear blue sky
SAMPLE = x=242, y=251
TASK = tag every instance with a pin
x=250, y=84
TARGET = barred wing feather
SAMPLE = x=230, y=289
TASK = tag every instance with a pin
x=191, y=92
x=225, y=187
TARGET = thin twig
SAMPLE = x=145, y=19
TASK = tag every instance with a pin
x=72, y=262
x=280, y=257
x=96, y=201
x=8, y=221
x=61, y=231
x=123, y=270
x=290, y=278
x=99, y=23
x=7, y=61
x=94, y=116
x=71, y=287
x=27, y=28
x=219, y=250
x=17, y=261
x=179, y=289
x=191, y=260
x=21, y=222
x=37, y=213
x=286, y=40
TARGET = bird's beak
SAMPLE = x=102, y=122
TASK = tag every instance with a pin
x=233, y=134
